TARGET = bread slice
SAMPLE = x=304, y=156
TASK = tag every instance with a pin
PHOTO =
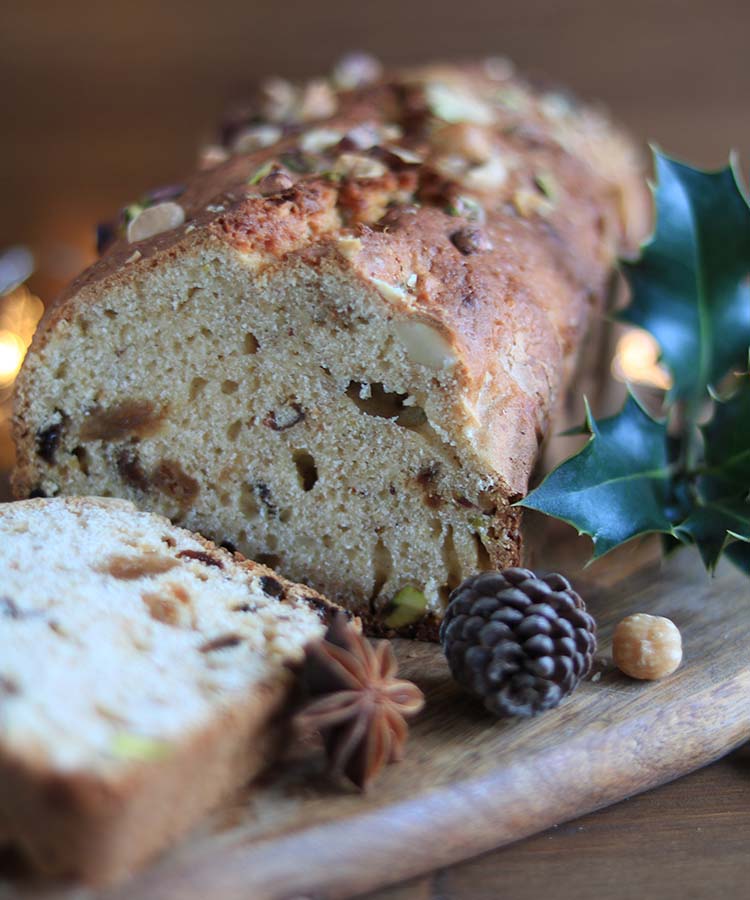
x=141, y=669
x=344, y=351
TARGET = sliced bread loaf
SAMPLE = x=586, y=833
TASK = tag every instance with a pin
x=140, y=670
x=341, y=348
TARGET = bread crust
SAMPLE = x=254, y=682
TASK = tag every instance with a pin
x=513, y=315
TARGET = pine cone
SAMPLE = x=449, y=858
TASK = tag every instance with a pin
x=519, y=642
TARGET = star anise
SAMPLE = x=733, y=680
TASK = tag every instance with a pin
x=357, y=704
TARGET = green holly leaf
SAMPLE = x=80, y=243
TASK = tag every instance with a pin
x=715, y=524
x=739, y=554
x=618, y=486
x=690, y=287
x=726, y=439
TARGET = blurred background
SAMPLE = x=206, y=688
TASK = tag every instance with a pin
x=99, y=101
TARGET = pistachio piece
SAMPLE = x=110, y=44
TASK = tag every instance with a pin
x=467, y=207
x=529, y=202
x=409, y=605
x=260, y=173
x=154, y=220
x=138, y=747
x=425, y=345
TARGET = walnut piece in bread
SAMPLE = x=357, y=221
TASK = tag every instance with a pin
x=346, y=357
x=140, y=670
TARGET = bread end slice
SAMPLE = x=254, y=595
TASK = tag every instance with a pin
x=143, y=672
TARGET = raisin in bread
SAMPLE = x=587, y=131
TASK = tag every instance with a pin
x=140, y=670
x=340, y=345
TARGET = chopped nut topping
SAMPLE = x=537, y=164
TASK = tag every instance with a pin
x=278, y=97
x=454, y=104
x=425, y=345
x=470, y=240
x=352, y=165
x=211, y=156
x=469, y=208
x=260, y=173
x=319, y=139
x=155, y=220
x=275, y=183
x=349, y=246
x=529, y=202
x=391, y=292
x=255, y=137
x=465, y=139
x=404, y=154
x=487, y=177
x=356, y=70
x=318, y=101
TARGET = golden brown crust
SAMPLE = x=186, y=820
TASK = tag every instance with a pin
x=559, y=194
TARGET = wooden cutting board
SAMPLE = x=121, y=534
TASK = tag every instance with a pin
x=470, y=783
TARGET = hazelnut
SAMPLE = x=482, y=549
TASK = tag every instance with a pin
x=647, y=647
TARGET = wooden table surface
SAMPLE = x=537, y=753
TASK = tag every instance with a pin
x=99, y=101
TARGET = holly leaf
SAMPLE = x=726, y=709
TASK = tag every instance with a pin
x=690, y=287
x=715, y=524
x=617, y=486
x=739, y=554
x=726, y=438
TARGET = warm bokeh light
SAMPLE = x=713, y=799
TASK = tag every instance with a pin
x=20, y=312
x=12, y=352
x=637, y=360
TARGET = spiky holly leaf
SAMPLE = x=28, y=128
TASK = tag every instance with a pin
x=690, y=286
x=715, y=524
x=722, y=513
x=739, y=554
x=617, y=487
x=726, y=438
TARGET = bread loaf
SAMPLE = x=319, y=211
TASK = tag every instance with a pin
x=140, y=670
x=340, y=345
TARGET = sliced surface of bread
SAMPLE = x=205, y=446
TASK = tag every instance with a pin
x=141, y=668
x=341, y=347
